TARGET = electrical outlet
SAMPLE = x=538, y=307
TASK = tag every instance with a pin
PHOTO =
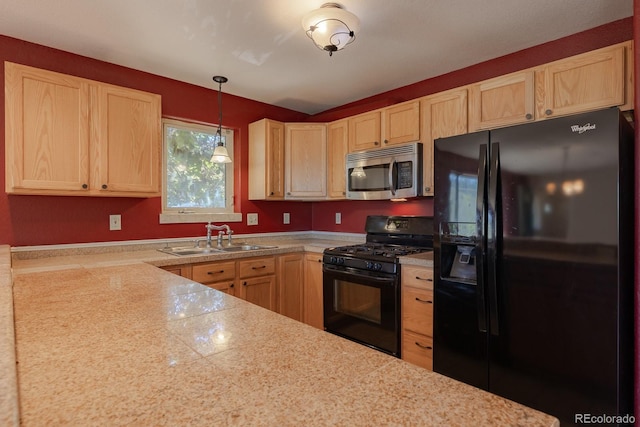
x=115, y=222
x=338, y=218
x=286, y=218
x=252, y=219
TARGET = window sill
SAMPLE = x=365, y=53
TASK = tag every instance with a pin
x=187, y=218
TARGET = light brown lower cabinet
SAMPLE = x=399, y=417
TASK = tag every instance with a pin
x=290, y=276
x=290, y=284
x=417, y=315
x=313, y=307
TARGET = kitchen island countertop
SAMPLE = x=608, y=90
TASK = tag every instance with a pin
x=128, y=343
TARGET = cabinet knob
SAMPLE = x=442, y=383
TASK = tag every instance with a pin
x=231, y=285
x=288, y=193
x=386, y=141
x=244, y=283
x=85, y=186
x=548, y=112
x=529, y=116
x=271, y=194
x=376, y=143
x=427, y=189
x=104, y=186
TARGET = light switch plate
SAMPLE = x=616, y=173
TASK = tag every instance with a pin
x=338, y=218
x=115, y=222
x=286, y=218
x=252, y=219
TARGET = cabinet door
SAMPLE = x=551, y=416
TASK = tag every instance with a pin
x=266, y=160
x=337, y=148
x=364, y=131
x=214, y=272
x=290, y=285
x=583, y=82
x=305, y=161
x=47, y=131
x=401, y=123
x=128, y=142
x=313, y=307
x=260, y=291
x=417, y=349
x=228, y=287
x=443, y=114
x=179, y=270
x=253, y=267
x=502, y=101
x=417, y=310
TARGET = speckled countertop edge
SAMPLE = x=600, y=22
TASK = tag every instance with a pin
x=9, y=410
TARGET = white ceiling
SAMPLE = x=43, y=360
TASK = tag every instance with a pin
x=261, y=47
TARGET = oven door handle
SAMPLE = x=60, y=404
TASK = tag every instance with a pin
x=380, y=280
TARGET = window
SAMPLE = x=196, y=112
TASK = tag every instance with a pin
x=194, y=188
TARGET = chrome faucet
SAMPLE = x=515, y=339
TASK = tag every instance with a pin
x=222, y=229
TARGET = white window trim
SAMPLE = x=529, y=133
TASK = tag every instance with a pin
x=177, y=216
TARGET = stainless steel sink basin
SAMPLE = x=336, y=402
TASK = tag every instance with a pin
x=194, y=250
x=189, y=250
x=245, y=247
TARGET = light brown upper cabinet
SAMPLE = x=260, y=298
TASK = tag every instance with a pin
x=266, y=160
x=589, y=81
x=502, y=101
x=337, y=148
x=305, y=156
x=401, y=123
x=397, y=124
x=364, y=131
x=71, y=136
x=443, y=114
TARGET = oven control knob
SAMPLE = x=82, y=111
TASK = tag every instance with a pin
x=378, y=266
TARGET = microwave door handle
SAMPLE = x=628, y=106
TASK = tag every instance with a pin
x=392, y=180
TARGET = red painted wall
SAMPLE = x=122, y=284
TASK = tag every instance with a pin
x=37, y=220
x=354, y=213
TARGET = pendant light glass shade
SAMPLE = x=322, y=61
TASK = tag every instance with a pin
x=331, y=27
x=220, y=153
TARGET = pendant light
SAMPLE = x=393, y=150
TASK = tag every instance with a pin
x=331, y=27
x=220, y=154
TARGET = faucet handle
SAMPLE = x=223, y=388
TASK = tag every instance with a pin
x=229, y=233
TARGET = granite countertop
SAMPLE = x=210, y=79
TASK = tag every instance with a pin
x=112, y=342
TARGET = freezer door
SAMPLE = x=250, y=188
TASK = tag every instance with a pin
x=460, y=328
x=554, y=343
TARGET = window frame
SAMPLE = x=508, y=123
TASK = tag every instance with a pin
x=192, y=215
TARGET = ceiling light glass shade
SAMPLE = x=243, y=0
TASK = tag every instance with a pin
x=331, y=28
x=220, y=154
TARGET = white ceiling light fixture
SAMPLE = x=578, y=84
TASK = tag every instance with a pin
x=220, y=154
x=331, y=27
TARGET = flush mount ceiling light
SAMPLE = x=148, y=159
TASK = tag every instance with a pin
x=331, y=27
x=220, y=154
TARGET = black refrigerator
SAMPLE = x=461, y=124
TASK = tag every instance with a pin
x=533, y=262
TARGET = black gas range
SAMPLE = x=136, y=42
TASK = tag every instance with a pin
x=361, y=283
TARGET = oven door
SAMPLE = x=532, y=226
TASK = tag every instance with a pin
x=363, y=306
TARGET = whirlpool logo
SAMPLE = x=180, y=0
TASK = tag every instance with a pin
x=582, y=128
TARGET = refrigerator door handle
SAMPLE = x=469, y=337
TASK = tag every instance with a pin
x=492, y=242
x=481, y=229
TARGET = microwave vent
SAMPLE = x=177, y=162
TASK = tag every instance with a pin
x=384, y=152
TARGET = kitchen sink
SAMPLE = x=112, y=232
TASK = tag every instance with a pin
x=189, y=250
x=194, y=250
x=245, y=247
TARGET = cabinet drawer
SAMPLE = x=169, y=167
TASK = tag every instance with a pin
x=214, y=272
x=256, y=267
x=417, y=277
x=417, y=349
x=417, y=310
